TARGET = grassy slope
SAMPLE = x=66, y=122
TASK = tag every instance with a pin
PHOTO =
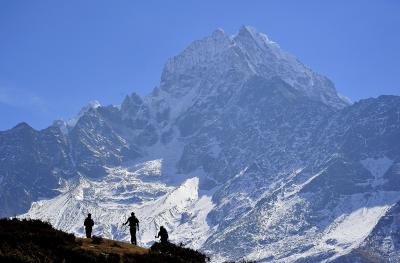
x=108, y=246
x=36, y=241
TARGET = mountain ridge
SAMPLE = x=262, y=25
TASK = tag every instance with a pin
x=258, y=149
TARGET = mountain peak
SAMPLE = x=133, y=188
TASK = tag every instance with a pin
x=249, y=53
x=249, y=32
x=91, y=105
x=219, y=32
x=131, y=105
x=22, y=126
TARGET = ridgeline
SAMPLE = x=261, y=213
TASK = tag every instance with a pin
x=37, y=241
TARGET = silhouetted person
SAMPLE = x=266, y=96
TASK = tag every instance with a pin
x=163, y=234
x=88, y=225
x=133, y=222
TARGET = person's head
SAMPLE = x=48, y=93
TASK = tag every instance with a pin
x=89, y=215
x=132, y=214
x=161, y=227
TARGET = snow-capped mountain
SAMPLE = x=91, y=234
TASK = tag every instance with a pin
x=242, y=151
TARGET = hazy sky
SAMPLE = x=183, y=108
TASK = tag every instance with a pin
x=56, y=56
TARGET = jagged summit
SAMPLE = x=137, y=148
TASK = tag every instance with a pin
x=91, y=105
x=22, y=126
x=219, y=32
x=251, y=32
x=217, y=65
x=247, y=54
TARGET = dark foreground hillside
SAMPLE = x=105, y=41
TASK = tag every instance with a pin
x=37, y=241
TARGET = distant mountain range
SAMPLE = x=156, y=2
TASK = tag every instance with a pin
x=242, y=151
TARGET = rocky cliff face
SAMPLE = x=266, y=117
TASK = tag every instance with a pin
x=242, y=151
x=32, y=165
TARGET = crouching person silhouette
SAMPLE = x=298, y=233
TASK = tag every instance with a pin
x=133, y=222
x=88, y=225
x=163, y=234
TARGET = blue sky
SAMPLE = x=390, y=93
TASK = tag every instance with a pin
x=56, y=56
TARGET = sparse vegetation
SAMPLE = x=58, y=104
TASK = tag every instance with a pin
x=182, y=253
x=115, y=244
x=97, y=240
x=37, y=241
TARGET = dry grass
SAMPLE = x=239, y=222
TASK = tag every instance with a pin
x=37, y=241
x=108, y=246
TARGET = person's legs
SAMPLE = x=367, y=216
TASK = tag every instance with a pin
x=88, y=232
x=133, y=236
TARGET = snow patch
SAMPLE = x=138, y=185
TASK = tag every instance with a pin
x=152, y=167
x=110, y=200
x=349, y=230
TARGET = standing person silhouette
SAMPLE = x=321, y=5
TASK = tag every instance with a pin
x=88, y=225
x=133, y=222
